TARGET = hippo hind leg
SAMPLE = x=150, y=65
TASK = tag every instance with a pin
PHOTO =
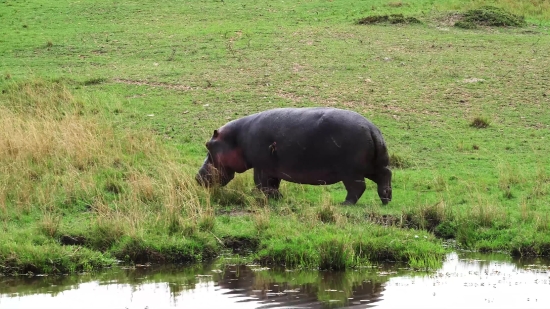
x=355, y=187
x=268, y=185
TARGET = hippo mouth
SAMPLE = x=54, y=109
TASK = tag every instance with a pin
x=385, y=195
x=209, y=176
x=202, y=181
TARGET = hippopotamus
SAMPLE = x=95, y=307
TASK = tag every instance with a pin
x=315, y=146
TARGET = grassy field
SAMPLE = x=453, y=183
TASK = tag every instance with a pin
x=105, y=107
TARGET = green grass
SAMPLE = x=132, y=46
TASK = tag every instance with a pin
x=105, y=108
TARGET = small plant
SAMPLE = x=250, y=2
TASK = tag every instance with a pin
x=49, y=224
x=207, y=222
x=440, y=184
x=508, y=176
x=541, y=183
x=490, y=16
x=465, y=24
x=397, y=4
x=508, y=193
x=94, y=81
x=105, y=232
x=335, y=255
x=327, y=214
x=486, y=215
x=142, y=187
x=526, y=214
x=542, y=223
x=261, y=220
x=398, y=161
x=113, y=186
x=446, y=229
x=479, y=122
x=188, y=228
x=428, y=216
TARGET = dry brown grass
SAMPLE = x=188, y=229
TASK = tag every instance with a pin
x=261, y=219
x=53, y=154
x=39, y=154
x=49, y=224
x=485, y=213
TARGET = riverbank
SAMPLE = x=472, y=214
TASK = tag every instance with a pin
x=232, y=284
x=102, y=129
x=80, y=194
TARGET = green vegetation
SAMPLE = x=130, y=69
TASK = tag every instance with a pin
x=392, y=19
x=489, y=16
x=479, y=122
x=105, y=108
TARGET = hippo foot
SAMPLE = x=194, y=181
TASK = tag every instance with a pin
x=348, y=203
x=276, y=195
x=272, y=194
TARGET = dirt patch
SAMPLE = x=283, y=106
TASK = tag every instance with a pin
x=388, y=19
x=234, y=212
x=429, y=221
x=397, y=4
x=489, y=16
x=289, y=96
x=387, y=220
x=153, y=84
x=68, y=240
x=241, y=244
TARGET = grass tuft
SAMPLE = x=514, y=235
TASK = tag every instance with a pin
x=327, y=213
x=480, y=123
x=399, y=161
x=94, y=81
x=49, y=225
x=489, y=16
x=335, y=255
x=207, y=221
x=391, y=19
x=262, y=220
x=465, y=24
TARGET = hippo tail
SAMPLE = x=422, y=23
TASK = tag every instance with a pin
x=381, y=156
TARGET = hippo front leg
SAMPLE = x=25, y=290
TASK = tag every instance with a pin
x=268, y=185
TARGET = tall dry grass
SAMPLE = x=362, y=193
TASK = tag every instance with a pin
x=55, y=153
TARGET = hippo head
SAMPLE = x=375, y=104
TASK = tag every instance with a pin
x=384, y=187
x=385, y=194
x=224, y=158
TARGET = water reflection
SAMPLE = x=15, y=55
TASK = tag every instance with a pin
x=465, y=280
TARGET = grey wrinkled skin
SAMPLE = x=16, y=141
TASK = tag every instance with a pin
x=315, y=146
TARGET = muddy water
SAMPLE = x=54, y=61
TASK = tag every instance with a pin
x=466, y=280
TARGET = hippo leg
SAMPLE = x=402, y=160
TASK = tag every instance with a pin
x=268, y=185
x=355, y=188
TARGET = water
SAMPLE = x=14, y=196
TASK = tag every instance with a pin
x=466, y=280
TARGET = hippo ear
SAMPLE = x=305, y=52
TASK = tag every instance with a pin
x=215, y=134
